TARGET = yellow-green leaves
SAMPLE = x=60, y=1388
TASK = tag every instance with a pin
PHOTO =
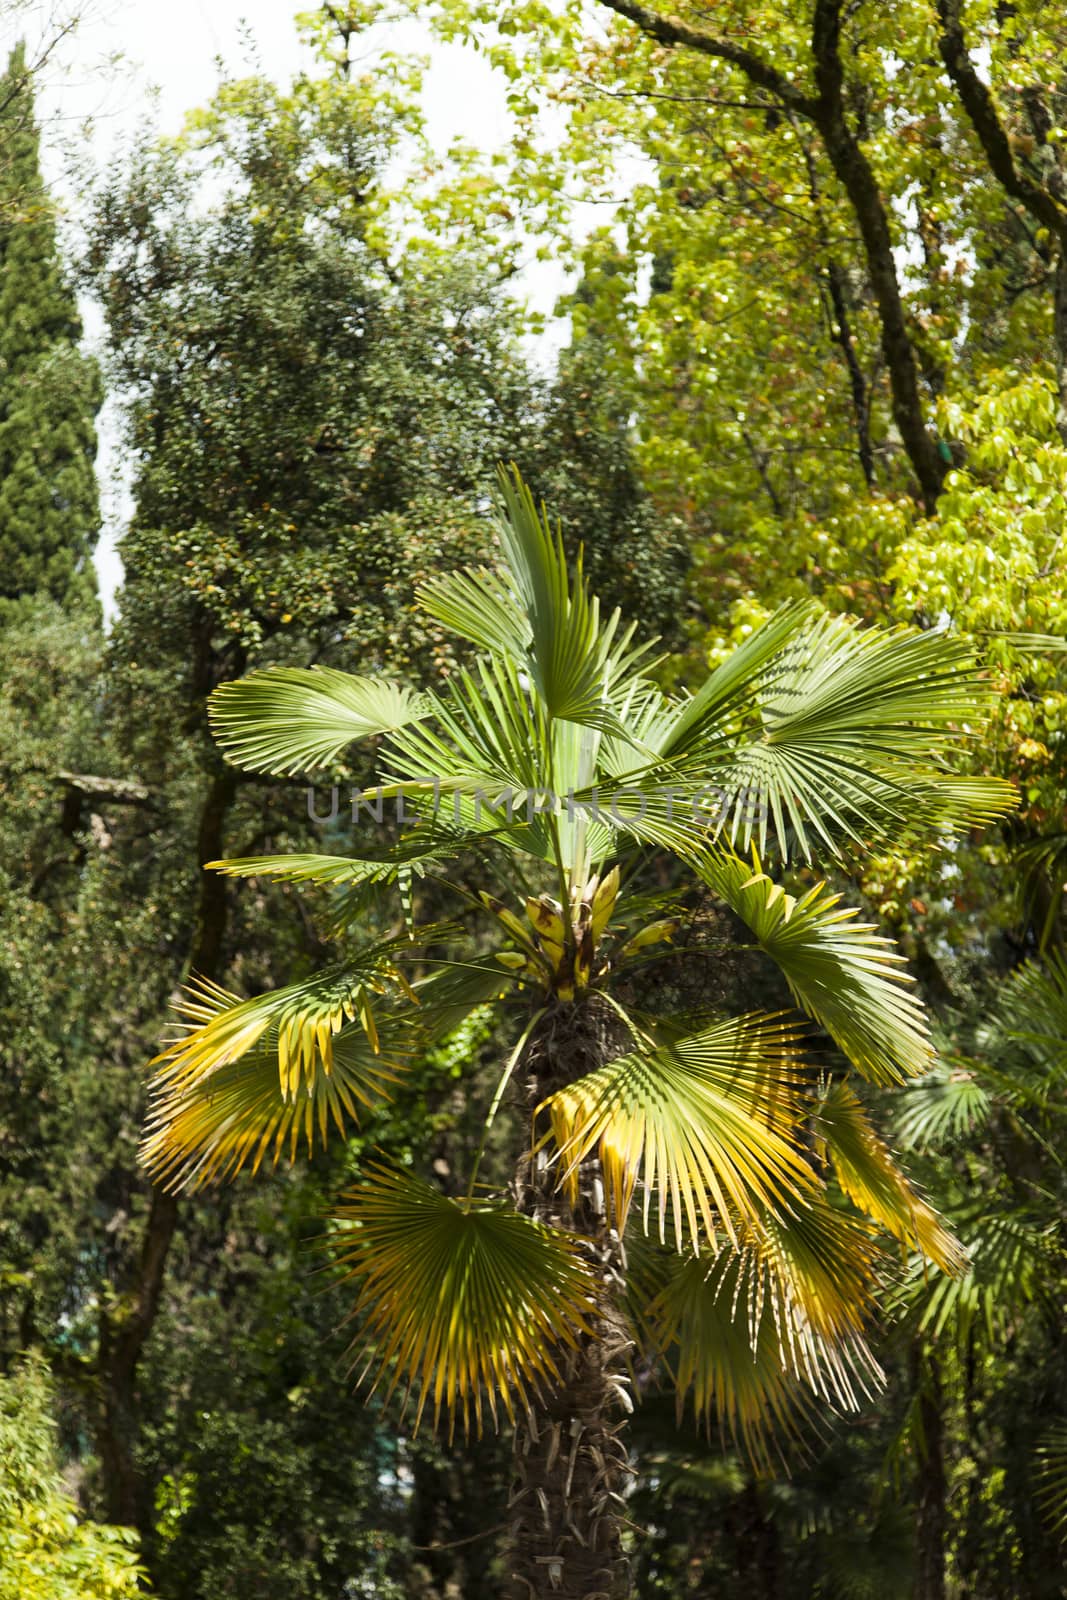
x=870, y=1177
x=249, y=1073
x=207, y=1127
x=306, y=1016
x=759, y=1329
x=286, y=720
x=460, y=1303
x=840, y=971
x=708, y=1123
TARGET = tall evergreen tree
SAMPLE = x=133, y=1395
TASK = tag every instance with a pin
x=49, y=391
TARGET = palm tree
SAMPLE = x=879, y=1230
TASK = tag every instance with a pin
x=693, y=1191
x=993, y=1119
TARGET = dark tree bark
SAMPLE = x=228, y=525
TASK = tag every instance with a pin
x=854, y=173
x=826, y=110
x=1040, y=188
x=570, y=1465
x=126, y=1324
x=839, y=320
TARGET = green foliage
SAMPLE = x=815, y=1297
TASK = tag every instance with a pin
x=47, y=1551
x=49, y=391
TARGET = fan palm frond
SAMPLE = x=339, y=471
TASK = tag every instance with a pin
x=208, y=1127
x=761, y=1329
x=844, y=738
x=459, y=1302
x=1052, y=1478
x=286, y=720
x=1010, y=1263
x=872, y=1180
x=306, y=1017
x=1029, y=1024
x=842, y=972
x=573, y=656
x=416, y=856
x=945, y=1104
x=709, y=1122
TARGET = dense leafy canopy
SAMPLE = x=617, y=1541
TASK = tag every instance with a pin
x=813, y=381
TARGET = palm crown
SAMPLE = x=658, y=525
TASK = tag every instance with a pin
x=693, y=1186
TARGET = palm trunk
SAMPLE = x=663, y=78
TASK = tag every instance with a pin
x=570, y=1465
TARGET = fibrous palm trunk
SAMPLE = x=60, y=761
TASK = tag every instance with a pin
x=570, y=1464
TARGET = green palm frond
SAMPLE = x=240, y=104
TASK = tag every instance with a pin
x=571, y=657
x=482, y=607
x=1028, y=1027
x=709, y=1122
x=412, y=856
x=943, y=1105
x=700, y=725
x=1043, y=864
x=1051, y=1471
x=1010, y=1263
x=871, y=1179
x=286, y=720
x=208, y=1127
x=847, y=731
x=841, y=972
x=459, y=1302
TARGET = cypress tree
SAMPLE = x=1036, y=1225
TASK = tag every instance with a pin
x=49, y=391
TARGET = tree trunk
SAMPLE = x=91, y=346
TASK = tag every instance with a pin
x=854, y=173
x=126, y=1324
x=570, y=1465
x=826, y=112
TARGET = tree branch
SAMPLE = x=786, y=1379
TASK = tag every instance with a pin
x=981, y=108
x=673, y=31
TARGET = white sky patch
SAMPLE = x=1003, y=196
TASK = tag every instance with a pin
x=132, y=62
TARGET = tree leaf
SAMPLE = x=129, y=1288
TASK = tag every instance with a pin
x=286, y=720
x=458, y=1301
x=708, y=1122
x=840, y=971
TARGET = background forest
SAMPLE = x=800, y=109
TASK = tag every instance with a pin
x=815, y=346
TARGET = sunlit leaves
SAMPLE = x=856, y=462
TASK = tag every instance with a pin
x=840, y=971
x=569, y=647
x=459, y=1303
x=305, y=1017
x=285, y=720
x=708, y=1123
x=871, y=1178
x=847, y=729
x=209, y=1127
x=758, y=1330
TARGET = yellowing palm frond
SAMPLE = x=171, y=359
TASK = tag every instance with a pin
x=459, y=1302
x=207, y=1127
x=286, y=720
x=872, y=1180
x=841, y=972
x=304, y=1017
x=708, y=1122
x=758, y=1331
